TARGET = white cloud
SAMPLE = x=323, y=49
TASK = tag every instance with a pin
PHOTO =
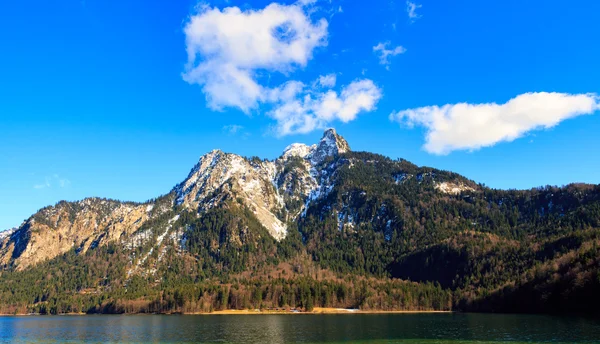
x=317, y=110
x=227, y=49
x=385, y=53
x=43, y=185
x=307, y=2
x=232, y=129
x=327, y=81
x=54, y=180
x=411, y=9
x=63, y=182
x=472, y=126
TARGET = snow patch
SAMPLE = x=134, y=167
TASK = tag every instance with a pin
x=298, y=150
x=7, y=233
x=401, y=177
x=157, y=245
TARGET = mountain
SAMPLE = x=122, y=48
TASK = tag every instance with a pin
x=319, y=226
x=274, y=191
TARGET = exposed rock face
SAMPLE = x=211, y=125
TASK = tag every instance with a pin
x=220, y=176
x=81, y=225
x=275, y=191
x=453, y=188
x=330, y=145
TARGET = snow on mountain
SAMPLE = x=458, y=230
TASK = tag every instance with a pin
x=7, y=233
x=265, y=187
x=297, y=150
x=275, y=191
x=330, y=145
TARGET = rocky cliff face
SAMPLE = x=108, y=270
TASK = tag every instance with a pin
x=57, y=229
x=276, y=192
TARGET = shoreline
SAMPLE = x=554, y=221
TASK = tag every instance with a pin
x=316, y=310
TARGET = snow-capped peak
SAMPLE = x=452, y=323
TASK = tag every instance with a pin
x=298, y=149
x=331, y=144
x=261, y=187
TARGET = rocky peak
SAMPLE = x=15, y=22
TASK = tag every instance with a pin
x=331, y=144
x=298, y=150
x=270, y=189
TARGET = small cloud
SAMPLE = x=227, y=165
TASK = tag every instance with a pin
x=232, y=129
x=54, y=180
x=327, y=81
x=411, y=9
x=64, y=182
x=470, y=127
x=385, y=53
x=306, y=2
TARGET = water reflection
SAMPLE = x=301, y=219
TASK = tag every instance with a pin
x=390, y=328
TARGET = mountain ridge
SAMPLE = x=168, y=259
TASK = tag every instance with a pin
x=212, y=173
x=319, y=210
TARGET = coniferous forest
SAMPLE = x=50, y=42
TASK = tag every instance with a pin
x=384, y=238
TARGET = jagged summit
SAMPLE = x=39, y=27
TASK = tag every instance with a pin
x=267, y=188
x=331, y=144
x=332, y=138
x=298, y=150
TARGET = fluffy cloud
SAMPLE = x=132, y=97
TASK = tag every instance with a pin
x=317, y=110
x=411, y=10
x=385, y=53
x=472, y=126
x=229, y=49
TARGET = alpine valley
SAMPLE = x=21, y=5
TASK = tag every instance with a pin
x=320, y=226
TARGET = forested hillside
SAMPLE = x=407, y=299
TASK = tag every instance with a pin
x=321, y=226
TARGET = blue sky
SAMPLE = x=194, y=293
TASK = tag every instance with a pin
x=119, y=99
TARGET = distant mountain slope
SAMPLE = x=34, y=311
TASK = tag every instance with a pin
x=320, y=223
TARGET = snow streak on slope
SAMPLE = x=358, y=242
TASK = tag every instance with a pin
x=263, y=186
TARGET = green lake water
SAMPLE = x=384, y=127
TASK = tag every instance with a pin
x=354, y=328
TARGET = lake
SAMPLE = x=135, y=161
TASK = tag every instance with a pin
x=357, y=328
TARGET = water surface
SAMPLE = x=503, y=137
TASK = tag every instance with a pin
x=326, y=328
